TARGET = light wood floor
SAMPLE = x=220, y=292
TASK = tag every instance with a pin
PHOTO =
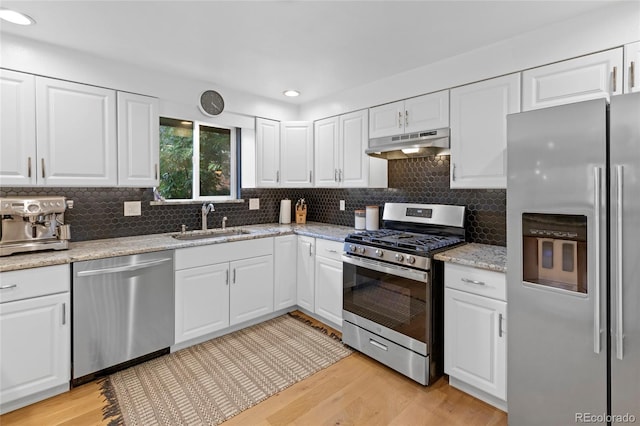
x=353, y=391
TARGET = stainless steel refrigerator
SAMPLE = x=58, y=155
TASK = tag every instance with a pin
x=573, y=263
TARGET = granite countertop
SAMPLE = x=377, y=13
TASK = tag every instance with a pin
x=483, y=256
x=98, y=249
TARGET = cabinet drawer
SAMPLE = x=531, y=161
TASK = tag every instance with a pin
x=477, y=281
x=27, y=283
x=330, y=249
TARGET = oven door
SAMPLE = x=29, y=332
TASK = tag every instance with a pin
x=391, y=301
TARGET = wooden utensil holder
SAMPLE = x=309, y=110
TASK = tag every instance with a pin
x=301, y=214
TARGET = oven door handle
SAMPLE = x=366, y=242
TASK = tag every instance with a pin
x=411, y=274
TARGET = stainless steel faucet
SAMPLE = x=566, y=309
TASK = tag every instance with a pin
x=205, y=211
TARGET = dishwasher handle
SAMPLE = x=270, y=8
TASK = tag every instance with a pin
x=125, y=268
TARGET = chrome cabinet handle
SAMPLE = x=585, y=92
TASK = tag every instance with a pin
x=310, y=176
x=64, y=313
x=467, y=280
x=406, y=118
x=331, y=250
x=340, y=175
x=632, y=74
x=596, y=293
x=378, y=345
x=42, y=161
x=335, y=175
x=615, y=78
x=28, y=166
x=227, y=279
x=8, y=287
x=453, y=172
x=310, y=253
x=277, y=175
x=500, y=332
x=400, y=119
x=619, y=317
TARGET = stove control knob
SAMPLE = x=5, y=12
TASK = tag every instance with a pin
x=379, y=253
x=353, y=248
x=399, y=257
x=361, y=250
x=411, y=260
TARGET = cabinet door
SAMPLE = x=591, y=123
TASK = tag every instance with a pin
x=201, y=300
x=632, y=68
x=328, y=289
x=354, y=171
x=267, y=153
x=76, y=134
x=296, y=154
x=251, y=288
x=326, y=143
x=426, y=112
x=35, y=345
x=305, y=276
x=386, y=120
x=17, y=128
x=475, y=341
x=138, y=140
x=479, y=131
x=285, y=253
x=588, y=77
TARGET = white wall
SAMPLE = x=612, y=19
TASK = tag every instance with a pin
x=613, y=26
x=178, y=96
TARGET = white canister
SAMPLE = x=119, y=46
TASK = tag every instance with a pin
x=359, y=219
x=372, y=218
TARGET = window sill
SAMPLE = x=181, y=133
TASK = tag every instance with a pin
x=194, y=202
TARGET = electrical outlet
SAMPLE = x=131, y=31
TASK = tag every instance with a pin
x=254, y=203
x=132, y=208
x=342, y=205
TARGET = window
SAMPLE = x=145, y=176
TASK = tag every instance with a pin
x=197, y=161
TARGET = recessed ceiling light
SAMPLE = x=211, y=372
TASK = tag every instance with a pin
x=291, y=93
x=16, y=17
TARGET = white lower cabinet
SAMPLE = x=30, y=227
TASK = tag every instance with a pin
x=305, y=273
x=251, y=293
x=328, y=281
x=284, y=271
x=35, y=335
x=220, y=285
x=475, y=332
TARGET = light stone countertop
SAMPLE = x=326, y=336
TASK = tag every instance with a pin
x=483, y=256
x=98, y=249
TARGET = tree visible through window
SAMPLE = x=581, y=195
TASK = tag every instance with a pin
x=196, y=160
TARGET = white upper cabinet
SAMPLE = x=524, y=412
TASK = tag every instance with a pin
x=284, y=153
x=414, y=114
x=589, y=77
x=327, y=157
x=632, y=67
x=267, y=152
x=296, y=154
x=340, y=159
x=17, y=128
x=138, y=140
x=76, y=134
x=479, y=131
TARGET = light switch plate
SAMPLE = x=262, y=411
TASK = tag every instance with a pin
x=254, y=203
x=342, y=205
x=132, y=208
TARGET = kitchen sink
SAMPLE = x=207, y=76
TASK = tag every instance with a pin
x=212, y=233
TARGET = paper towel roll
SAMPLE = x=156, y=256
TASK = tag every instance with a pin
x=285, y=211
x=372, y=218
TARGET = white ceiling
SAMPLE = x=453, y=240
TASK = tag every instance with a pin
x=265, y=47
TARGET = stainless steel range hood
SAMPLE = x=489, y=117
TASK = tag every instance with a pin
x=410, y=145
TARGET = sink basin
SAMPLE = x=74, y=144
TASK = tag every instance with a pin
x=213, y=233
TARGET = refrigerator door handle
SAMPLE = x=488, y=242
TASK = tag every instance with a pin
x=596, y=285
x=619, y=324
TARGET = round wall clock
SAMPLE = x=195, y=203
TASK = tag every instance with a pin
x=211, y=102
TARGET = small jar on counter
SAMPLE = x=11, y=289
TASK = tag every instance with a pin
x=360, y=219
x=372, y=218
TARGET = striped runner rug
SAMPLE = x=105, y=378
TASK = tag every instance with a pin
x=211, y=382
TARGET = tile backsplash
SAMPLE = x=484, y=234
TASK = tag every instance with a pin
x=98, y=212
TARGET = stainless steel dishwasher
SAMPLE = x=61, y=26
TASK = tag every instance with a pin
x=123, y=309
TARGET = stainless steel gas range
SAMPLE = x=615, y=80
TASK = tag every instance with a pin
x=393, y=290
